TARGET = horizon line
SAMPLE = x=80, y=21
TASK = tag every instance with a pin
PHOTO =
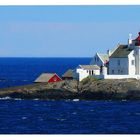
x=44, y=57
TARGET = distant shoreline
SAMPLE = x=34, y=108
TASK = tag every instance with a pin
x=88, y=89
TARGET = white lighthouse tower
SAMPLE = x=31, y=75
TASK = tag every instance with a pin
x=136, y=42
x=130, y=40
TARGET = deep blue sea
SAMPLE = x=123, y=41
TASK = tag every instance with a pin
x=69, y=117
x=22, y=71
x=61, y=116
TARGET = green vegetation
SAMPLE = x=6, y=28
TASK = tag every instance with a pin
x=89, y=79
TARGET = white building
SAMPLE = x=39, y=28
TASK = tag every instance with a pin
x=125, y=60
x=100, y=59
x=122, y=63
x=84, y=71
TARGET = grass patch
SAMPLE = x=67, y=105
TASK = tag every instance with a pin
x=89, y=79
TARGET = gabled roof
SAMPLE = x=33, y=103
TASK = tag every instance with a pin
x=68, y=73
x=45, y=77
x=89, y=67
x=121, y=52
x=104, y=57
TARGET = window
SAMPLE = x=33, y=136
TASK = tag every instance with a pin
x=121, y=71
x=89, y=72
x=92, y=72
x=118, y=62
x=112, y=71
x=55, y=79
x=133, y=62
x=97, y=59
x=118, y=71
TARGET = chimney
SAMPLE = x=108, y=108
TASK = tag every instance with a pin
x=130, y=40
x=109, y=53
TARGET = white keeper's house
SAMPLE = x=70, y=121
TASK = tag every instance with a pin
x=125, y=60
x=121, y=63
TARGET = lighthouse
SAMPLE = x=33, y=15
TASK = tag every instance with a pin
x=136, y=43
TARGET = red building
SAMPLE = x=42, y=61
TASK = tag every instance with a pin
x=48, y=77
x=137, y=40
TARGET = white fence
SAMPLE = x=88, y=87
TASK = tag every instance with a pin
x=117, y=76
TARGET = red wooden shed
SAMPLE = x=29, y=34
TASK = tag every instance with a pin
x=48, y=77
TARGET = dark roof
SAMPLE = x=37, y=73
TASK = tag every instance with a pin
x=121, y=52
x=68, y=73
x=104, y=57
x=44, y=77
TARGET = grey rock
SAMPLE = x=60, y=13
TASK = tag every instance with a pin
x=88, y=89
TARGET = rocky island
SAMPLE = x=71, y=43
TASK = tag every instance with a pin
x=88, y=89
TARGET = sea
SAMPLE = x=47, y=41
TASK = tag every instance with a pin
x=60, y=116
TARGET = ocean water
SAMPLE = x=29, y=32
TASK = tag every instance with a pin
x=22, y=71
x=69, y=117
x=60, y=116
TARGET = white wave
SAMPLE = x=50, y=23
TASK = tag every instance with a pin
x=9, y=98
x=5, y=98
x=74, y=113
x=67, y=100
x=17, y=99
x=137, y=113
x=75, y=100
x=36, y=99
x=24, y=118
x=124, y=100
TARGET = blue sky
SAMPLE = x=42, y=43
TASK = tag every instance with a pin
x=65, y=31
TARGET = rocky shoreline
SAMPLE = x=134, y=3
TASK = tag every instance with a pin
x=88, y=89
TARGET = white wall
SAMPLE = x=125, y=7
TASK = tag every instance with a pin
x=104, y=70
x=85, y=73
x=131, y=67
x=117, y=76
x=82, y=74
x=96, y=60
x=137, y=59
x=121, y=69
x=96, y=72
